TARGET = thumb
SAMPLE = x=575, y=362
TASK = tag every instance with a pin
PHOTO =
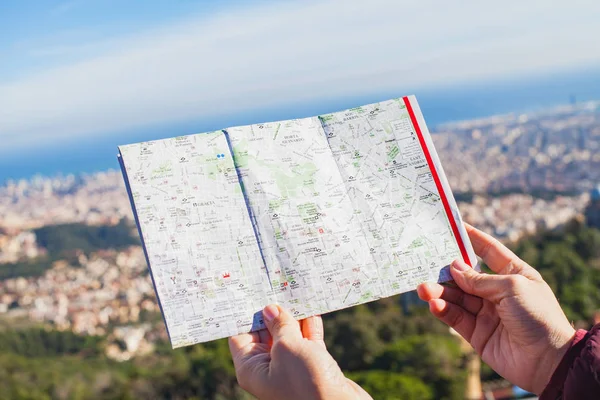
x=280, y=323
x=486, y=286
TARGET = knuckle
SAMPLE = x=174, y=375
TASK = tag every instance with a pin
x=535, y=274
x=318, y=334
x=283, y=345
x=275, y=325
x=460, y=298
x=517, y=283
x=475, y=281
x=489, y=245
x=280, y=324
x=509, y=268
x=456, y=319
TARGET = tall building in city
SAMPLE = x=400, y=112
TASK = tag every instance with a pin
x=592, y=212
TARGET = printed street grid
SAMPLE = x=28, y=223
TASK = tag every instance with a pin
x=202, y=250
x=344, y=207
x=315, y=251
x=393, y=193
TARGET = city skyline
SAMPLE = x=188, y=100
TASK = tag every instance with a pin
x=440, y=106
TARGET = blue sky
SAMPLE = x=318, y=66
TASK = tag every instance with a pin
x=37, y=34
x=83, y=69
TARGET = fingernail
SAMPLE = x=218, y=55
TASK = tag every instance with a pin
x=271, y=312
x=459, y=266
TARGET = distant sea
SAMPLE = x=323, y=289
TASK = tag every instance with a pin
x=440, y=105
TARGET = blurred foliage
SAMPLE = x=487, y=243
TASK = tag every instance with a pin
x=59, y=240
x=67, y=366
x=26, y=268
x=435, y=359
x=393, y=347
x=569, y=260
x=66, y=241
x=40, y=342
x=384, y=385
x=43, y=364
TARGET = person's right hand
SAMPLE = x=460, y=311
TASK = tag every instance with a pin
x=511, y=319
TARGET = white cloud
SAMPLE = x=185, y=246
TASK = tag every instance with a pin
x=289, y=52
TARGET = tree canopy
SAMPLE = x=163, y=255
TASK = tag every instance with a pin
x=394, y=349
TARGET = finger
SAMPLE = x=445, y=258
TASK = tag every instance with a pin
x=240, y=344
x=491, y=287
x=251, y=361
x=486, y=323
x=280, y=323
x=265, y=337
x=496, y=255
x=455, y=295
x=454, y=316
x=312, y=329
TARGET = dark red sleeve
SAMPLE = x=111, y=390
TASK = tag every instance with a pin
x=577, y=377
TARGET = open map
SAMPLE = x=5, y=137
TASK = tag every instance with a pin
x=315, y=214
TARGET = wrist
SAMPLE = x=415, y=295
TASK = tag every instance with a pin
x=346, y=389
x=357, y=392
x=560, y=344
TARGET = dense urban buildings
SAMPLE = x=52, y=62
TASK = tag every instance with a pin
x=512, y=175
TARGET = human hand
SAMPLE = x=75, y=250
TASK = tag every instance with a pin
x=289, y=361
x=511, y=319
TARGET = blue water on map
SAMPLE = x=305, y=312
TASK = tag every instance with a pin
x=444, y=104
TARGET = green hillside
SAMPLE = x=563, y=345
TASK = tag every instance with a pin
x=393, y=353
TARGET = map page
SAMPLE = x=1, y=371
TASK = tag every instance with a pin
x=200, y=245
x=315, y=214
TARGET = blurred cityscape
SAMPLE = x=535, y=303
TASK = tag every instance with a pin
x=512, y=175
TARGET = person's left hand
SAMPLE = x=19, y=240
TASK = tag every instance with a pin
x=289, y=361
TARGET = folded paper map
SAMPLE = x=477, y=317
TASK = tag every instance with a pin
x=315, y=214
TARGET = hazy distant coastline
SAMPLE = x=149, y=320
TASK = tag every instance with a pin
x=440, y=106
